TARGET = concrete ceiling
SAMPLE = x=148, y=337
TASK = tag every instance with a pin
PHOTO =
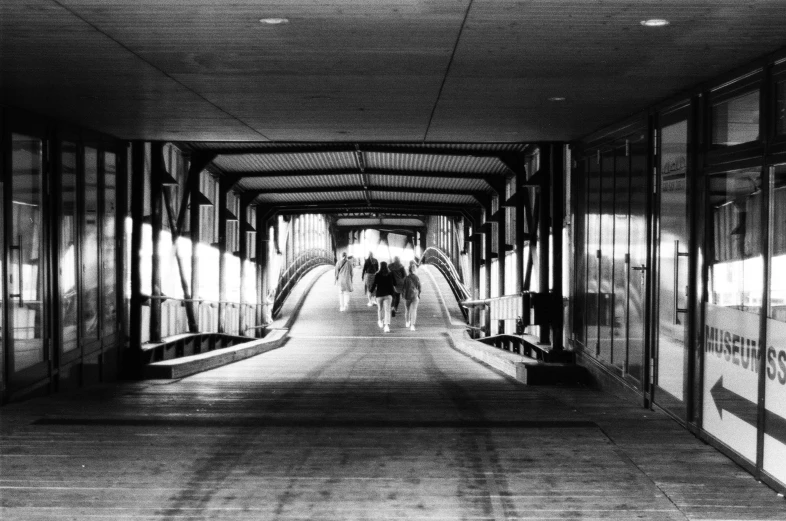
x=460, y=71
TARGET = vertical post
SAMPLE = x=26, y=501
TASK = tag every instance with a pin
x=475, y=267
x=156, y=214
x=243, y=247
x=546, y=171
x=263, y=244
x=194, y=224
x=501, y=243
x=223, y=190
x=521, y=220
x=487, y=269
x=557, y=220
x=137, y=210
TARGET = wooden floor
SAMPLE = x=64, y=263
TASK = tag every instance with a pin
x=344, y=423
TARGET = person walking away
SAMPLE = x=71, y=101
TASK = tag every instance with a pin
x=399, y=274
x=383, y=288
x=370, y=269
x=411, y=296
x=344, y=281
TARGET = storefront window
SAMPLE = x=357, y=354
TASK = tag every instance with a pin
x=108, y=246
x=736, y=121
x=90, y=247
x=731, y=367
x=69, y=316
x=775, y=372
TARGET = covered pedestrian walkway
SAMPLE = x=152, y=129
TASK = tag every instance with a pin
x=345, y=422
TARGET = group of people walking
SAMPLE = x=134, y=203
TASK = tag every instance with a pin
x=384, y=286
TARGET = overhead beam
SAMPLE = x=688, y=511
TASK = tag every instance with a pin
x=371, y=171
x=357, y=188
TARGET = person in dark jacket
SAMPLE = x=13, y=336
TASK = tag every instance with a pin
x=370, y=269
x=399, y=274
x=411, y=296
x=383, y=286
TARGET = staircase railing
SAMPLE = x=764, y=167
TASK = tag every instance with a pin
x=302, y=264
x=435, y=257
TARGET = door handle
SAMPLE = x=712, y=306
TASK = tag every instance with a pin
x=677, y=255
x=19, y=272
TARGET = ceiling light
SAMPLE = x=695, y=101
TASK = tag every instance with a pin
x=556, y=98
x=274, y=21
x=655, y=22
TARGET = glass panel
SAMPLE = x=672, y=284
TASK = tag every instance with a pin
x=732, y=313
x=69, y=310
x=673, y=244
x=736, y=121
x=621, y=209
x=775, y=383
x=638, y=257
x=606, y=299
x=593, y=246
x=90, y=247
x=26, y=270
x=108, y=246
x=780, y=111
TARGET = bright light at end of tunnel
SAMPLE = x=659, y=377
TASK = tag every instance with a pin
x=655, y=22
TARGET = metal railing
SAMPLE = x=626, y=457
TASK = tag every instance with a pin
x=435, y=257
x=302, y=264
x=174, y=320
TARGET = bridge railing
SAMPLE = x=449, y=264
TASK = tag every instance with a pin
x=174, y=320
x=435, y=257
x=302, y=264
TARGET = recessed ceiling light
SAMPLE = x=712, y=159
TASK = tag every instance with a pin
x=274, y=21
x=556, y=98
x=655, y=22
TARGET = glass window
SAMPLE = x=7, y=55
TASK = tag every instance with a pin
x=90, y=247
x=108, y=248
x=731, y=368
x=775, y=381
x=26, y=272
x=69, y=315
x=736, y=121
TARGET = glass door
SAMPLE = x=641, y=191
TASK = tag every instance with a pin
x=672, y=257
x=26, y=310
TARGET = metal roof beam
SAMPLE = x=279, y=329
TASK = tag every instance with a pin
x=358, y=188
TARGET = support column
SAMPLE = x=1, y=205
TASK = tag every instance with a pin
x=557, y=220
x=156, y=214
x=546, y=171
x=223, y=190
x=501, y=246
x=243, y=252
x=137, y=213
x=475, y=267
x=263, y=245
x=521, y=220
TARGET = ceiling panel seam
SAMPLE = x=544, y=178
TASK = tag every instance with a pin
x=447, y=70
x=123, y=46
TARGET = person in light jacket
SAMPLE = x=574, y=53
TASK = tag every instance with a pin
x=383, y=286
x=344, y=281
x=411, y=296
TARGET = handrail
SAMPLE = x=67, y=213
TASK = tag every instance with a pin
x=439, y=260
x=300, y=265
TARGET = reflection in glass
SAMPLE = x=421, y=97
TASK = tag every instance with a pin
x=775, y=381
x=736, y=121
x=90, y=247
x=732, y=321
x=736, y=264
x=25, y=269
x=621, y=209
x=108, y=248
x=69, y=310
x=673, y=261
